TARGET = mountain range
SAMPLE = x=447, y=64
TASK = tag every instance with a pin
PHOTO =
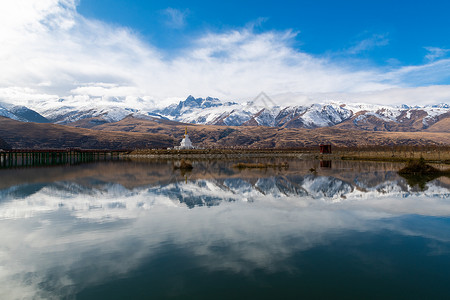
x=212, y=111
x=139, y=123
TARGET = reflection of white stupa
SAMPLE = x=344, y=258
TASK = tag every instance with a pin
x=185, y=142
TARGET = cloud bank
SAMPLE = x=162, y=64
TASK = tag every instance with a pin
x=50, y=51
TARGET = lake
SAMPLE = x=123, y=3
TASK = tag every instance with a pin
x=140, y=229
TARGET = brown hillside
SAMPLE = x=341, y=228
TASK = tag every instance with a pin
x=131, y=133
x=372, y=123
x=405, y=123
x=4, y=145
x=34, y=135
x=269, y=137
x=441, y=126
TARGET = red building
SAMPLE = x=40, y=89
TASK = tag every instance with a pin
x=325, y=149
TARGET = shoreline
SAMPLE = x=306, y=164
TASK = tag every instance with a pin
x=217, y=154
x=435, y=156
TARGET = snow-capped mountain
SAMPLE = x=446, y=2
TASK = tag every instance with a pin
x=202, y=111
x=67, y=111
x=21, y=113
x=195, y=111
x=212, y=111
x=191, y=104
x=347, y=115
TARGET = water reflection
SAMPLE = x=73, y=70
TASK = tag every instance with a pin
x=117, y=186
x=65, y=231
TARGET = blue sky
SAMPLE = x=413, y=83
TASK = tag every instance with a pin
x=159, y=52
x=383, y=32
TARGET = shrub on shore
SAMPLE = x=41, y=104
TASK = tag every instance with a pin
x=183, y=165
x=419, y=167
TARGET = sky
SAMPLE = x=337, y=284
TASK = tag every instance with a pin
x=297, y=52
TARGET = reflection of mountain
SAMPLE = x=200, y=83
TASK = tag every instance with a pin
x=60, y=188
x=20, y=192
x=196, y=193
x=89, y=193
x=279, y=186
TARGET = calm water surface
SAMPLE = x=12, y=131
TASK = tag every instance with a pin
x=140, y=230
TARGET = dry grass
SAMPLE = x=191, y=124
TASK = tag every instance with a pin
x=260, y=165
x=401, y=153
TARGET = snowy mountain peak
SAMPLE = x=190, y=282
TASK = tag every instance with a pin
x=190, y=104
x=440, y=105
x=212, y=111
x=21, y=113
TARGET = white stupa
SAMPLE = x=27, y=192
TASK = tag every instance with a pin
x=185, y=142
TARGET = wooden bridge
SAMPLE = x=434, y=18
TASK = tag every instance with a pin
x=44, y=157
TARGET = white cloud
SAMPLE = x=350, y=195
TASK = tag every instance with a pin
x=435, y=52
x=376, y=40
x=426, y=95
x=422, y=75
x=175, y=17
x=50, y=51
x=111, y=90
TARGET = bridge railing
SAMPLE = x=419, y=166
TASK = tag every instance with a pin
x=43, y=157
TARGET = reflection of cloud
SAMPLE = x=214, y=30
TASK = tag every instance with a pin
x=71, y=237
x=91, y=225
x=79, y=253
